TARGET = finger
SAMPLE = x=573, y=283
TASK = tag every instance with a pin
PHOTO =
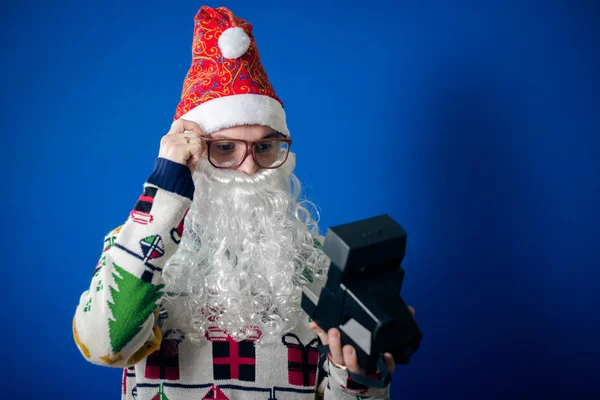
x=195, y=156
x=411, y=310
x=194, y=136
x=389, y=362
x=181, y=140
x=189, y=138
x=191, y=126
x=176, y=127
x=322, y=334
x=335, y=346
x=183, y=125
x=351, y=360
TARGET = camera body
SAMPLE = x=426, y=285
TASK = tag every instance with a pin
x=361, y=296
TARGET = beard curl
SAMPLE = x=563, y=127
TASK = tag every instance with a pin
x=246, y=251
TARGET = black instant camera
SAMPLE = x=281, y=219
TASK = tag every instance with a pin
x=361, y=297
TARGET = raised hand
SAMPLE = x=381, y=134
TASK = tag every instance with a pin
x=183, y=143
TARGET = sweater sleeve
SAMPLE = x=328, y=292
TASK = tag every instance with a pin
x=115, y=321
x=337, y=385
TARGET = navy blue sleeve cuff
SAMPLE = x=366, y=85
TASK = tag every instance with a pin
x=172, y=177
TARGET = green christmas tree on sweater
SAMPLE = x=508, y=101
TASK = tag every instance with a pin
x=133, y=300
x=161, y=394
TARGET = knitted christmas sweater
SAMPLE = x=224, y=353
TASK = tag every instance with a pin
x=120, y=321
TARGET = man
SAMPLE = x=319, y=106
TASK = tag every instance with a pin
x=201, y=299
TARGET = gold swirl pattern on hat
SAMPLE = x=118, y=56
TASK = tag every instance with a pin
x=211, y=75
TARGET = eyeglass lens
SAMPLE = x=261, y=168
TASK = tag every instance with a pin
x=230, y=153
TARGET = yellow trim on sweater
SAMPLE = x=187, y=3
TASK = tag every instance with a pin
x=115, y=231
x=149, y=347
x=79, y=343
x=111, y=358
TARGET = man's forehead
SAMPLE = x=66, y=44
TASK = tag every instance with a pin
x=248, y=132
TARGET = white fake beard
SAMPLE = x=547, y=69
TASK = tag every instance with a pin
x=247, y=247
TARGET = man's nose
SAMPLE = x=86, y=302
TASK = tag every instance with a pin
x=248, y=166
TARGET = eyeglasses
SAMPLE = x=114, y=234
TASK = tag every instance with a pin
x=268, y=153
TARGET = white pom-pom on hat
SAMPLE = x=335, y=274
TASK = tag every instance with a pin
x=234, y=42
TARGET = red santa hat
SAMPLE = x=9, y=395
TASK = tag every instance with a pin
x=227, y=84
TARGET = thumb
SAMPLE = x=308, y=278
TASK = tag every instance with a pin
x=389, y=362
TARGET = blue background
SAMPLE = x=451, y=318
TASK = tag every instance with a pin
x=475, y=124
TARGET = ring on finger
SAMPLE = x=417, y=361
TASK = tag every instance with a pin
x=336, y=364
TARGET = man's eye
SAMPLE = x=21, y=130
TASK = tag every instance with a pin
x=262, y=147
x=225, y=147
